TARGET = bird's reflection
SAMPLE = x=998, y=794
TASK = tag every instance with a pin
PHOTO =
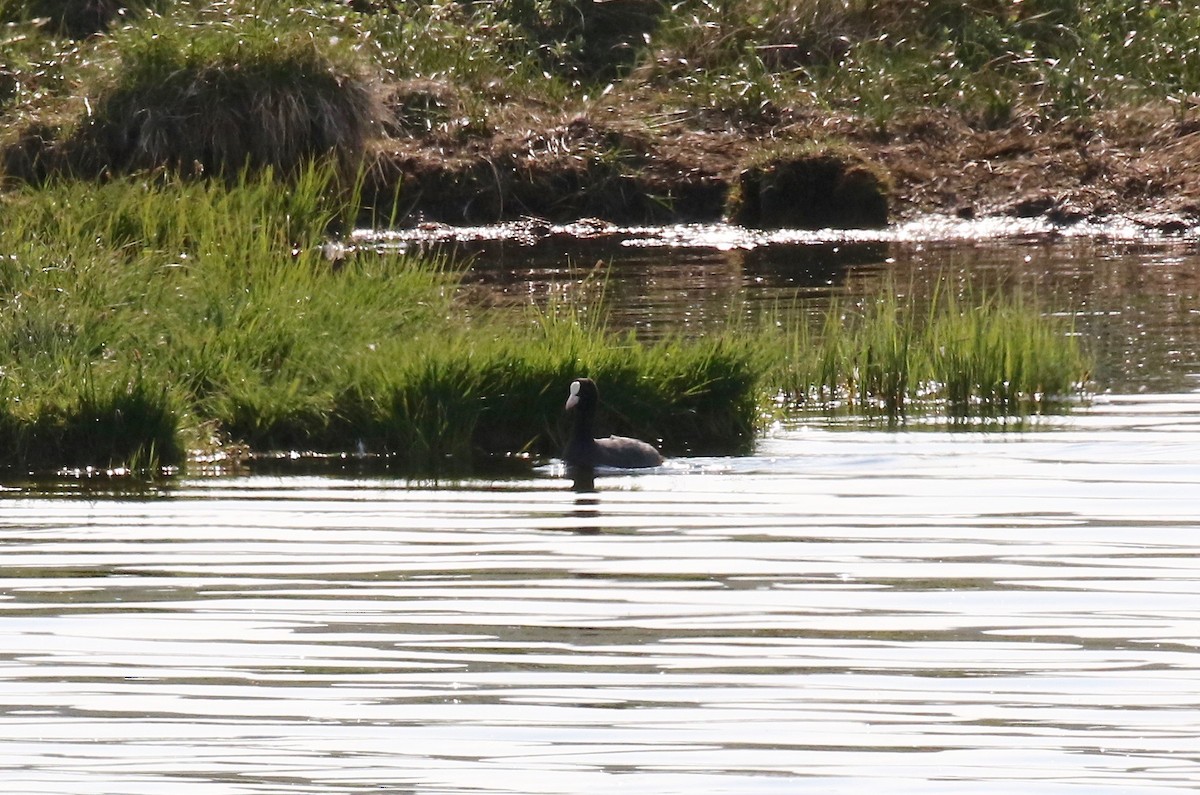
x=587, y=498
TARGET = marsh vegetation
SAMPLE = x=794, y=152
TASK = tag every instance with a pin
x=146, y=319
x=175, y=172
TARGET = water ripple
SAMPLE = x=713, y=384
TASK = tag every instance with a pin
x=843, y=611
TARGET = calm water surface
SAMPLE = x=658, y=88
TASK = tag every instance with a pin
x=844, y=611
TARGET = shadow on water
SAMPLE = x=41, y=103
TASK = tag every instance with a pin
x=812, y=268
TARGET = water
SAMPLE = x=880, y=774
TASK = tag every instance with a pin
x=844, y=610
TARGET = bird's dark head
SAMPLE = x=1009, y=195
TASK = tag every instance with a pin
x=584, y=395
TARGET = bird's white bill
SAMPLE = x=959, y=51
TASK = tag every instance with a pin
x=574, y=397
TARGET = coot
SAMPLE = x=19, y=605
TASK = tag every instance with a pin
x=584, y=450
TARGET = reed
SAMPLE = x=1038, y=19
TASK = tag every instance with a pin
x=1002, y=357
x=967, y=356
x=221, y=293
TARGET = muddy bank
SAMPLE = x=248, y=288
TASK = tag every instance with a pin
x=637, y=165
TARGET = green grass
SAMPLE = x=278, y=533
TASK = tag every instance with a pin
x=490, y=393
x=965, y=356
x=203, y=297
x=991, y=60
x=141, y=319
x=145, y=319
x=199, y=89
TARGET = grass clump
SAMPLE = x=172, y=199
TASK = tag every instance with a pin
x=214, y=89
x=488, y=394
x=810, y=186
x=101, y=418
x=964, y=356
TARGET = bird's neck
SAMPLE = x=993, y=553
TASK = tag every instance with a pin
x=584, y=426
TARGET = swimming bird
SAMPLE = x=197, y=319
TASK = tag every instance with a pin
x=584, y=450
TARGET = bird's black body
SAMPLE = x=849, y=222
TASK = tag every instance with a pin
x=585, y=450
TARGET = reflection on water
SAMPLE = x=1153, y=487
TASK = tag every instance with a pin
x=840, y=612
